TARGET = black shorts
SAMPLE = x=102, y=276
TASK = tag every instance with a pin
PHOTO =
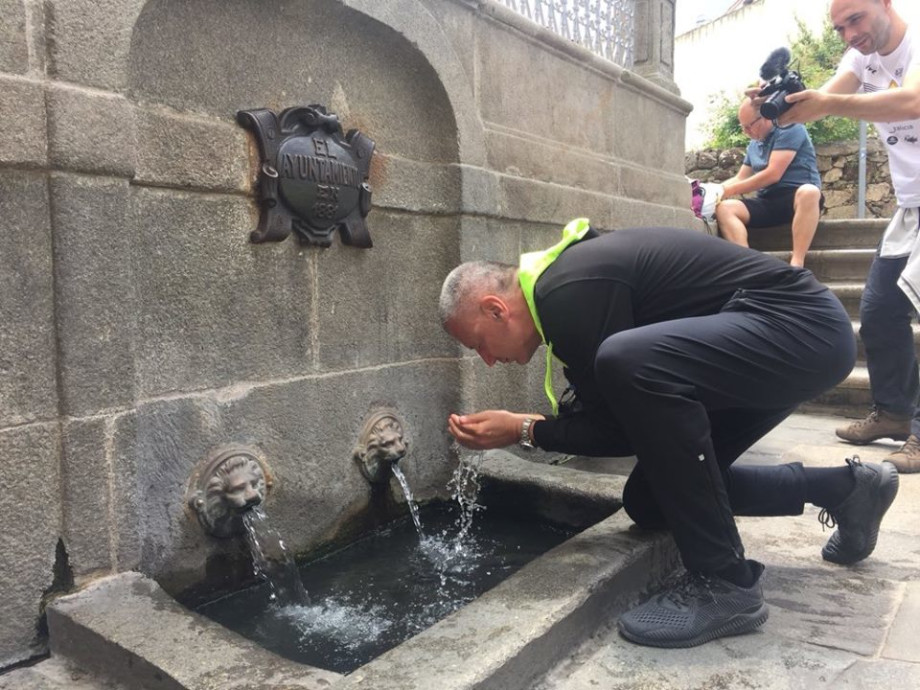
x=776, y=209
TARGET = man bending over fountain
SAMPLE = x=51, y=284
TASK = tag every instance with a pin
x=683, y=350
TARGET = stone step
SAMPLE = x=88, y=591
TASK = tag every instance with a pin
x=849, y=292
x=851, y=398
x=861, y=348
x=835, y=265
x=831, y=234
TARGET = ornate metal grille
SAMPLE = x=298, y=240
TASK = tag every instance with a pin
x=605, y=27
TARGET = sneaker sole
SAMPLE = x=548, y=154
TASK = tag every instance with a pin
x=888, y=484
x=738, y=625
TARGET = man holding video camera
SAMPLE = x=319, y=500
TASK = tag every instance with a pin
x=878, y=80
x=781, y=166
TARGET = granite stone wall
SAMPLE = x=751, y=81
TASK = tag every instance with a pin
x=142, y=329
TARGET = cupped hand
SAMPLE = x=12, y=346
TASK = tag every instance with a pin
x=487, y=429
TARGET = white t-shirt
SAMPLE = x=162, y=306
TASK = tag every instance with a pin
x=881, y=72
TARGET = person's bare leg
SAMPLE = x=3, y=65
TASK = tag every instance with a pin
x=807, y=210
x=733, y=218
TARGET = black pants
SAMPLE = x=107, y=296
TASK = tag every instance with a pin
x=691, y=395
x=886, y=316
x=776, y=209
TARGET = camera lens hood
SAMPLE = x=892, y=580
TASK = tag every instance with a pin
x=771, y=109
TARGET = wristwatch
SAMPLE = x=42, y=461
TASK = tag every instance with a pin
x=525, y=441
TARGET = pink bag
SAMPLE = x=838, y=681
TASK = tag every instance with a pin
x=704, y=197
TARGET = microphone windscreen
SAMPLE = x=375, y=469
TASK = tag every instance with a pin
x=775, y=64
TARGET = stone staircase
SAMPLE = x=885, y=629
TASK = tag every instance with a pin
x=839, y=257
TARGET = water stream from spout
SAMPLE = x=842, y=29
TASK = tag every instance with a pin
x=271, y=560
x=407, y=492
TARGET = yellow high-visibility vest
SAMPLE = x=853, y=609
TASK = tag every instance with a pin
x=530, y=268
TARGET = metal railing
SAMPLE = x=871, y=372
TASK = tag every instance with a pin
x=605, y=27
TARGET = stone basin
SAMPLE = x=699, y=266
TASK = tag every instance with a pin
x=126, y=628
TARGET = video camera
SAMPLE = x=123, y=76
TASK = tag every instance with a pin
x=780, y=81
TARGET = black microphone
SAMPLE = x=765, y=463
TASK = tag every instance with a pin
x=775, y=64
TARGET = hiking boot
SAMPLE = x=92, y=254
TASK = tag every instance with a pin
x=859, y=515
x=879, y=424
x=699, y=608
x=907, y=457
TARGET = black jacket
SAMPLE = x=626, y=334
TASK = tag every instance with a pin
x=632, y=278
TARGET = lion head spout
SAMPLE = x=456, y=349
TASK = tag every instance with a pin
x=232, y=481
x=381, y=444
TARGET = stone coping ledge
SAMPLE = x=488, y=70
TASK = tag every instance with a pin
x=127, y=627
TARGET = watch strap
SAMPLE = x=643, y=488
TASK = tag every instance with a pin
x=525, y=441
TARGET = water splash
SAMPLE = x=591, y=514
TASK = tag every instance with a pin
x=271, y=560
x=452, y=555
x=407, y=492
x=345, y=624
x=464, y=489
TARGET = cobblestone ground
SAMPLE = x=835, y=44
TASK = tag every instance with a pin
x=829, y=627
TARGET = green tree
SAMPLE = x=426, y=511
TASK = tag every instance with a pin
x=815, y=57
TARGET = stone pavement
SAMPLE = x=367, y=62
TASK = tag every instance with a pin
x=829, y=627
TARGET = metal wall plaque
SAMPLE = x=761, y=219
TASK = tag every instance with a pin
x=312, y=178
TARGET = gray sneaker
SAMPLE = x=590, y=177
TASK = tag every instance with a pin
x=877, y=424
x=699, y=608
x=860, y=514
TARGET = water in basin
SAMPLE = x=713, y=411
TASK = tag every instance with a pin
x=387, y=587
